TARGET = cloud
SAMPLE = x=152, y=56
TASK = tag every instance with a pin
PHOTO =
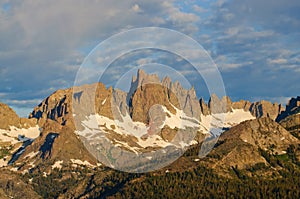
x=200, y=9
x=136, y=8
x=42, y=43
x=255, y=43
x=277, y=61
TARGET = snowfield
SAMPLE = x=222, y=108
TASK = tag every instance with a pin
x=96, y=127
x=12, y=134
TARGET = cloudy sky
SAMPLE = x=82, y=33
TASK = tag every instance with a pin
x=254, y=43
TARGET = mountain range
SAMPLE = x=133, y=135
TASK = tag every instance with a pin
x=78, y=139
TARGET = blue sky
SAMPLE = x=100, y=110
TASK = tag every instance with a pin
x=254, y=43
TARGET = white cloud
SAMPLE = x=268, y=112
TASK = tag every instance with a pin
x=136, y=8
x=225, y=64
x=176, y=16
x=277, y=61
x=43, y=42
x=200, y=9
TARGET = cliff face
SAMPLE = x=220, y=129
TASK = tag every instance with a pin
x=292, y=108
x=217, y=105
x=265, y=109
x=290, y=118
x=148, y=90
x=61, y=104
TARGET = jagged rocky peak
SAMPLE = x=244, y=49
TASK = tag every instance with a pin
x=167, y=82
x=258, y=109
x=292, y=108
x=217, y=105
x=192, y=106
x=293, y=104
x=144, y=78
x=9, y=118
x=265, y=109
x=242, y=104
x=204, y=107
x=147, y=90
x=54, y=107
x=63, y=105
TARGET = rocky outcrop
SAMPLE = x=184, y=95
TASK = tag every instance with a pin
x=240, y=145
x=55, y=107
x=9, y=118
x=292, y=107
x=219, y=106
x=265, y=109
x=13, y=185
x=146, y=90
x=290, y=118
x=242, y=104
x=258, y=109
x=63, y=105
x=204, y=107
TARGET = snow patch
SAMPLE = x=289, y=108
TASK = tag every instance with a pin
x=14, y=133
x=96, y=126
x=31, y=154
x=180, y=119
x=3, y=163
x=32, y=132
x=14, y=169
x=80, y=162
x=57, y=164
x=104, y=101
x=149, y=157
x=217, y=122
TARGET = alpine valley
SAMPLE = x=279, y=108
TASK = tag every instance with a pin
x=94, y=141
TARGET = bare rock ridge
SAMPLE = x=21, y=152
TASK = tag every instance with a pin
x=217, y=105
x=55, y=107
x=290, y=118
x=258, y=109
x=146, y=90
x=239, y=147
x=292, y=107
x=9, y=118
